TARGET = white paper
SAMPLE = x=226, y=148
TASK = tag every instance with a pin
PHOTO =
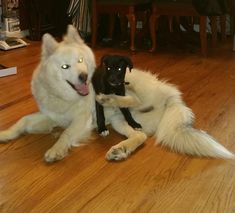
x=8, y=71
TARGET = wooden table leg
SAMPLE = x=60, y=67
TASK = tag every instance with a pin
x=203, y=35
x=132, y=21
x=94, y=24
x=223, y=27
x=214, y=30
x=153, y=26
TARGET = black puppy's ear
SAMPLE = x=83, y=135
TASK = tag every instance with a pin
x=128, y=62
x=104, y=60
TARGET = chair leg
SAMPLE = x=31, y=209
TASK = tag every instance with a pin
x=191, y=23
x=223, y=27
x=124, y=24
x=111, y=25
x=132, y=20
x=94, y=24
x=214, y=30
x=203, y=35
x=170, y=20
x=152, y=26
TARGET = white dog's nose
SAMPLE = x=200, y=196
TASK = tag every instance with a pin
x=83, y=77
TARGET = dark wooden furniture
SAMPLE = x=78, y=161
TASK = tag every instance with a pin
x=127, y=8
x=43, y=16
x=232, y=15
x=183, y=8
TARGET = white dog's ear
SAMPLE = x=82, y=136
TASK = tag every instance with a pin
x=72, y=35
x=49, y=44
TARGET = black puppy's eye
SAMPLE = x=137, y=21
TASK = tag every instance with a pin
x=119, y=69
x=108, y=68
x=65, y=66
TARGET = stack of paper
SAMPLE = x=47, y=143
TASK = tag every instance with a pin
x=5, y=71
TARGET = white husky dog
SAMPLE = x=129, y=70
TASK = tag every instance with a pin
x=61, y=86
x=62, y=89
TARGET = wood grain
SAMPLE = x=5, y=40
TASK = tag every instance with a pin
x=153, y=179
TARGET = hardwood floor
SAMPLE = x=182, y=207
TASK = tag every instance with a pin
x=153, y=179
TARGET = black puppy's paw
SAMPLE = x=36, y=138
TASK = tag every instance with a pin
x=135, y=125
x=103, y=132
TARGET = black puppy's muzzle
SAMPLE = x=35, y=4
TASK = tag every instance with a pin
x=117, y=82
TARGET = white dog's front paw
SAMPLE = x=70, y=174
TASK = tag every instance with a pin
x=105, y=100
x=104, y=133
x=55, y=154
x=117, y=153
x=6, y=136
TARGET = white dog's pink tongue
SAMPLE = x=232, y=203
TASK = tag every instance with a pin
x=82, y=89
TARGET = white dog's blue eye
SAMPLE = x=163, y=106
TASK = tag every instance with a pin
x=65, y=66
x=80, y=60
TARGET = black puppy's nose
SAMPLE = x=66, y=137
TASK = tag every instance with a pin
x=83, y=77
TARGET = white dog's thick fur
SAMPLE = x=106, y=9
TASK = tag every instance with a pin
x=163, y=114
x=158, y=106
x=59, y=103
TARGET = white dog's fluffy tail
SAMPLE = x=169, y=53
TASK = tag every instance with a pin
x=176, y=132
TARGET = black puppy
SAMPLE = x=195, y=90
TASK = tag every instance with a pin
x=109, y=78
